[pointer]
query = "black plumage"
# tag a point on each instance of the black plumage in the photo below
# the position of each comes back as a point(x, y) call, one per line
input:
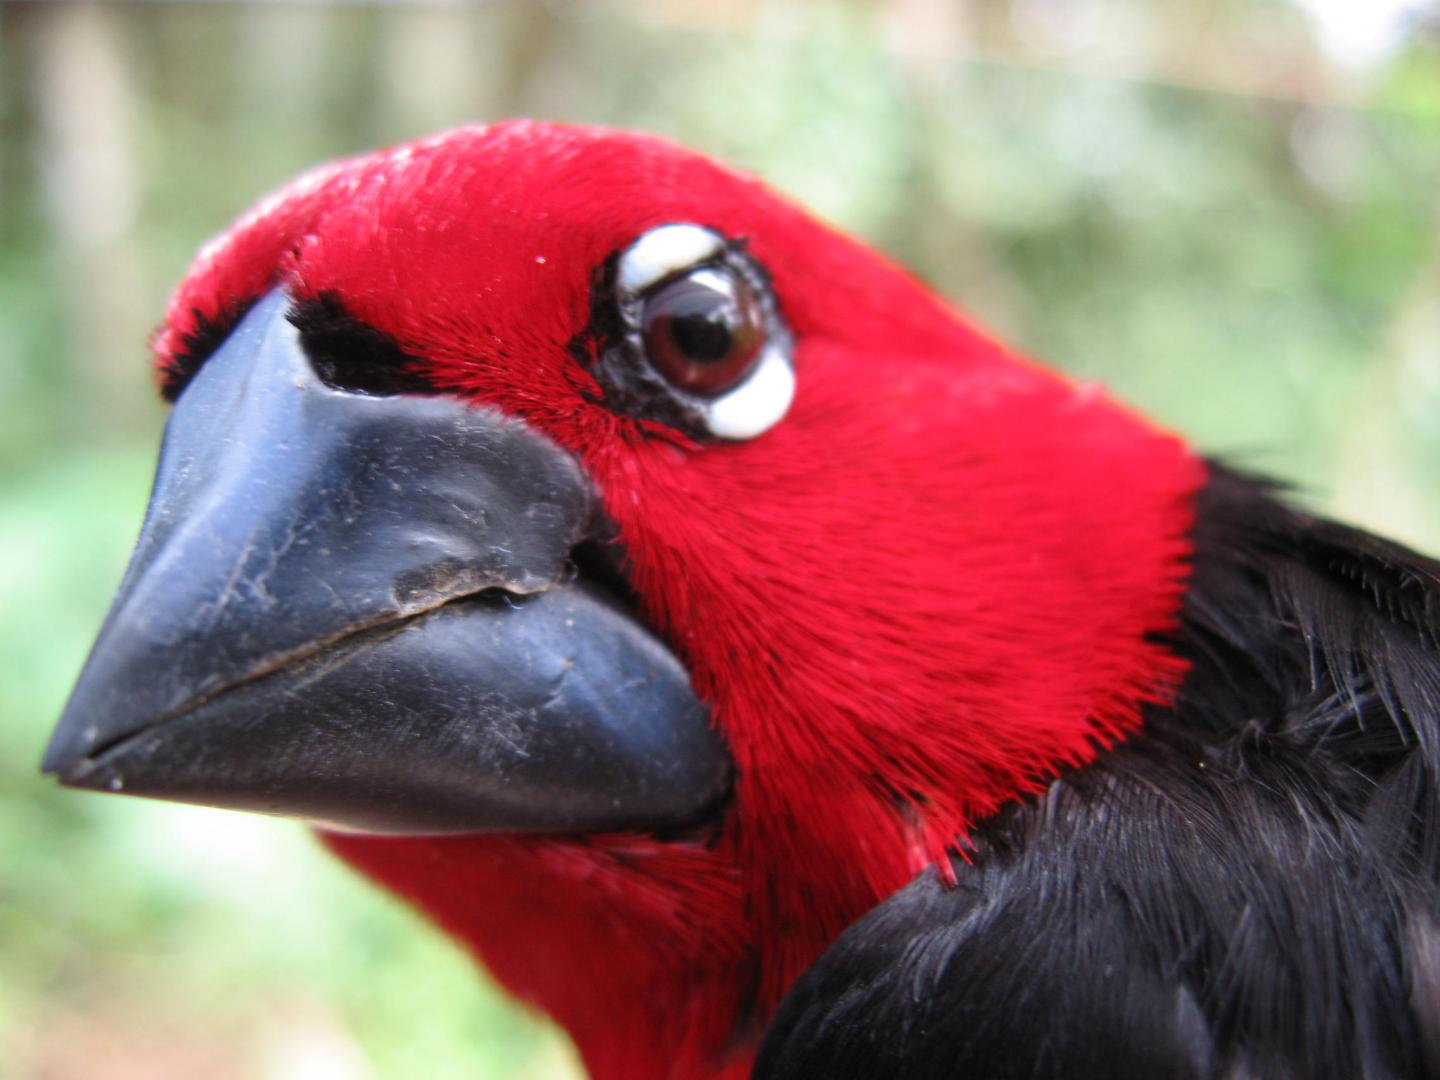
point(1249, 888)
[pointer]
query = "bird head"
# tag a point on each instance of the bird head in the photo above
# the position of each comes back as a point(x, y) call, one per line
point(640, 576)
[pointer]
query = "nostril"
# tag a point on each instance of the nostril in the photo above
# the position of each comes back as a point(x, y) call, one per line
point(349, 355)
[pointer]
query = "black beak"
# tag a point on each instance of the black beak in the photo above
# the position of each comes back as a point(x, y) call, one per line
point(363, 611)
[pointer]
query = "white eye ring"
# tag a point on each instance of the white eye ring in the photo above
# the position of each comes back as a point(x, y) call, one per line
point(758, 403)
point(764, 396)
point(666, 250)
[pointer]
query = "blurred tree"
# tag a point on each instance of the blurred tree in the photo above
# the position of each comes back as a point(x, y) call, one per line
point(88, 167)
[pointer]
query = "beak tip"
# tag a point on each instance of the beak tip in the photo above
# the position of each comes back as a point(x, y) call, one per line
point(60, 758)
point(67, 757)
point(82, 773)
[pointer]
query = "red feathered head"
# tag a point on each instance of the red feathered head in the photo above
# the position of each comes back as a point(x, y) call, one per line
point(908, 574)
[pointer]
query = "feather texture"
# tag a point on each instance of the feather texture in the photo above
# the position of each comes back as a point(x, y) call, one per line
point(1246, 888)
point(939, 581)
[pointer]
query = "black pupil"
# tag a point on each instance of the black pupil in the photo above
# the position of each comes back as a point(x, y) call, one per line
point(703, 331)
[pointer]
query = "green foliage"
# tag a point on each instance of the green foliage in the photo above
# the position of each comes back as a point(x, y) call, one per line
point(1257, 271)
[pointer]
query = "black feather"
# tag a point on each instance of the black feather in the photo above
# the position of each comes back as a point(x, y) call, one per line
point(1248, 888)
point(348, 354)
point(197, 346)
point(345, 352)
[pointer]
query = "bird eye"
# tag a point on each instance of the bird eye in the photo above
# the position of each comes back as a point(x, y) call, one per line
point(703, 331)
point(691, 334)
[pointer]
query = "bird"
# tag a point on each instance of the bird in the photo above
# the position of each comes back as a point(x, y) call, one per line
point(761, 669)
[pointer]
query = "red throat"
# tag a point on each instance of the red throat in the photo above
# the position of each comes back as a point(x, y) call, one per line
point(943, 577)
point(979, 611)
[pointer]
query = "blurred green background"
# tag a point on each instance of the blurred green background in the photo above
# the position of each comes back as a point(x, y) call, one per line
point(1226, 211)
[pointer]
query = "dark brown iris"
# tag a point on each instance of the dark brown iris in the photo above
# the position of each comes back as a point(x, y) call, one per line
point(703, 331)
